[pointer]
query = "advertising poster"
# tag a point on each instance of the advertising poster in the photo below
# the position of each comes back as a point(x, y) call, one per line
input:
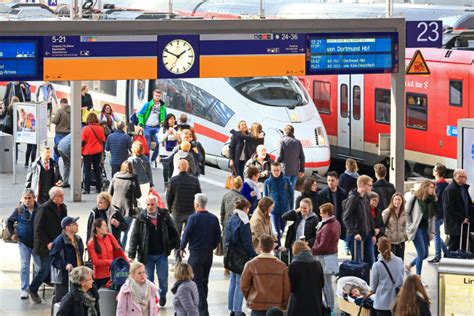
point(468, 157)
point(456, 294)
point(26, 123)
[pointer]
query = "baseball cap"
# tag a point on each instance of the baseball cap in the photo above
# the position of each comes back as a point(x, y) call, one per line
point(68, 220)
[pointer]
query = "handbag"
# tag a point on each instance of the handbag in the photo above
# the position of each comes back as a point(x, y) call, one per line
point(397, 289)
point(235, 260)
point(142, 140)
point(219, 249)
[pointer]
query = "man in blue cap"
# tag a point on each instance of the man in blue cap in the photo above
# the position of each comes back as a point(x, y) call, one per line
point(65, 255)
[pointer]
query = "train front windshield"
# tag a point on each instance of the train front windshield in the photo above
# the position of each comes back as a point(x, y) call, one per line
point(271, 91)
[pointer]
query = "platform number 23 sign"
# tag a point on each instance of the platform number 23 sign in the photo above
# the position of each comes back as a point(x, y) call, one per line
point(424, 33)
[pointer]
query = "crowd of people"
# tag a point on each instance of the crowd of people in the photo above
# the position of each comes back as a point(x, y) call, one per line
point(272, 266)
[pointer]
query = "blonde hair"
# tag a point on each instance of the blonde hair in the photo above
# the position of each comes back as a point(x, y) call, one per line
point(363, 179)
point(185, 146)
point(105, 196)
point(237, 183)
point(256, 129)
point(422, 192)
point(299, 246)
point(183, 272)
point(137, 148)
point(308, 202)
point(240, 122)
point(134, 266)
point(351, 165)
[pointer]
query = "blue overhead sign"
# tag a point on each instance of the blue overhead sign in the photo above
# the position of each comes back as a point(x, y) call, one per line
point(424, 34)
point(52, 3)
point(351, 53)
point(20, 58)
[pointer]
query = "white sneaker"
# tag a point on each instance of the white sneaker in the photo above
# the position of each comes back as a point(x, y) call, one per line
point(24, 295)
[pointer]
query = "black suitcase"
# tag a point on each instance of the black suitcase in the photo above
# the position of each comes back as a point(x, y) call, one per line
point(463, 253)
point(355, 268)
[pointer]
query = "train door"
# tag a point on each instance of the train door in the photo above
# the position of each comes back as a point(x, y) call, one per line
point(350, 119)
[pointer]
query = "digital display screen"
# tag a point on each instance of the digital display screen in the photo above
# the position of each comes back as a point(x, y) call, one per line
point(20, 59)
point(351, 53)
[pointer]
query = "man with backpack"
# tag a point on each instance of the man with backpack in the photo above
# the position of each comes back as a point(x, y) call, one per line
point(154, 235)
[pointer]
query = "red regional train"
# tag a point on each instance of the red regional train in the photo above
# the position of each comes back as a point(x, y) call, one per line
point(355, 110)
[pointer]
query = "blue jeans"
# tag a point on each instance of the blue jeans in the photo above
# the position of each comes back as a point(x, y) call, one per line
point(438, 242)
point(57, 139)
point(368, 249)
point(161, 264)
point(293, 180)
point(151, 134)
point(25, 256)
point(124, 239)
point(235, 298)
point(278, 225)
point(42, 275)
point(421, 245)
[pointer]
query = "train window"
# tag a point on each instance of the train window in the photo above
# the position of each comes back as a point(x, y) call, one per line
point(417, 111)
point(382, 106)
point(455, 92)
point(344, 101)
point(322, 96)
point(356, 103)
point(183, 96)
point(272, 91)
point(103, 86)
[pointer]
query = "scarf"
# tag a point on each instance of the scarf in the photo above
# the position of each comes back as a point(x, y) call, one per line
point(140, 292)
point(322, 222)
point(175, 287)
point(153, 217)
point(254, 185)
point(242, 215)
point(305, 257)
point(89, 301)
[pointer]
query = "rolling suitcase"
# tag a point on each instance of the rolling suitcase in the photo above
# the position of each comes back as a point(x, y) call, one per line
point(108, 301)
point(355, 267)
point(284, 256)
point(463, 253)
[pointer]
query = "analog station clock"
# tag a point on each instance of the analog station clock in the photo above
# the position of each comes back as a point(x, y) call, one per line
point(178, 56)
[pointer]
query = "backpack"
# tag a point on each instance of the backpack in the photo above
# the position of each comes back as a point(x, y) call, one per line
point(119, 269)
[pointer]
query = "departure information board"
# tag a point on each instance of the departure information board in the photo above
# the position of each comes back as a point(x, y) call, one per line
point(20, 58)
point(351, 53)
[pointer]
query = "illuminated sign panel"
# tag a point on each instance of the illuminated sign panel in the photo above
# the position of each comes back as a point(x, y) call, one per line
point(351, 53)
point(20, 58)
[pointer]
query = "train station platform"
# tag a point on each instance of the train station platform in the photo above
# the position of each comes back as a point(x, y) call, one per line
point(212, 185)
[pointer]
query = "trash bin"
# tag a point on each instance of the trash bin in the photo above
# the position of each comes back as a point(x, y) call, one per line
point(6, 154)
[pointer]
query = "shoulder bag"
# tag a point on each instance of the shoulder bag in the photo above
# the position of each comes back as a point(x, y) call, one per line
point(397, 289)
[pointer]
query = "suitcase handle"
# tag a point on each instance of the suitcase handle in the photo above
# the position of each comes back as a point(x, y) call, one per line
point(361, 248)
point(468, 237)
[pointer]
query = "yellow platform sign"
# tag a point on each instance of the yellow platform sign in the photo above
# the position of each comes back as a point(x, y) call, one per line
point(417, 65)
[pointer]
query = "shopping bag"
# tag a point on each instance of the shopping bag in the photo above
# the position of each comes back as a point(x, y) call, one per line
point(142, 140)
point(161, 204)
point(229, 181)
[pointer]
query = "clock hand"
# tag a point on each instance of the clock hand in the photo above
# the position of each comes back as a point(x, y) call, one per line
point(181, 54)
point(177, 56)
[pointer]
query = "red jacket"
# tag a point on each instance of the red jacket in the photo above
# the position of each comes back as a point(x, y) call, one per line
point(110, 249)
point(92, 144)
point(327, 237)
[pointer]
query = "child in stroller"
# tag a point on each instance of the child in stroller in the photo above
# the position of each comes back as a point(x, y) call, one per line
point(353, 296)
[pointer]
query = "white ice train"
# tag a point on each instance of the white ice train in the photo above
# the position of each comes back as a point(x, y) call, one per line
point(215, 106)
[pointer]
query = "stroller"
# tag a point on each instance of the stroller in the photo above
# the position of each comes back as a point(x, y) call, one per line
point(103, 174)
point(346, 303)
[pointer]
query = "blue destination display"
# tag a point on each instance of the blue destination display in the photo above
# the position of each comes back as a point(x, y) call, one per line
point(252, 44)
point(99, 46)
point(20, 59)
point(351, 53)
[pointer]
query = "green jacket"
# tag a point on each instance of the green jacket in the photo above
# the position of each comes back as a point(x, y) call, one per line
point(145, 111)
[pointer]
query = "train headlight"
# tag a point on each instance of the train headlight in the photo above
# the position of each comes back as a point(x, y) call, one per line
point(320, 135)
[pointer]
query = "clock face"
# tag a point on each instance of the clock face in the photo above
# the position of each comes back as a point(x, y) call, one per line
point(178, 56)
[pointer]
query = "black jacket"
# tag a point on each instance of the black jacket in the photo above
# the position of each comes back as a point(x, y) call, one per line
point(325, 196)
point(385, 190)
point(455, 210)
point(307, 282)
point(47, 226)
point(309, 227)
point(180, 196)
point(95, 214)
point(125, 190)
point(139, 239)
point(71, 304)
point(356, 215)
point(347, 182)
